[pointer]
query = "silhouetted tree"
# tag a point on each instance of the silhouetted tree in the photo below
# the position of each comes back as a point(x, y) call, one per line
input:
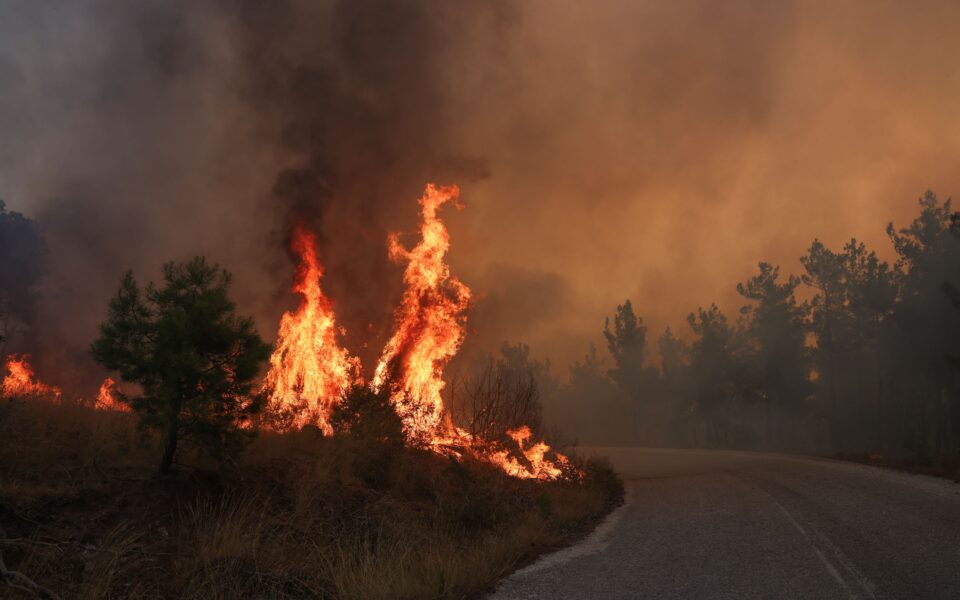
point(870, 290)
point(627, 344)
point(824, 273)
point(193, 357)
point(925, 330)
point(716, 370)
point(21, 267)
point(519, 361)
point(676, 384)
point(591, 404)
point(775, 323)
point(877, 347)
point(369, 416)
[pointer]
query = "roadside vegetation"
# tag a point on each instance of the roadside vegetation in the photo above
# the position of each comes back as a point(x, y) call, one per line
point(176, 491)
point(296, 515)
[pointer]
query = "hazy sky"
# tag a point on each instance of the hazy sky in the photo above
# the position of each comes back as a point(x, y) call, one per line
point(658, 150)
point(651, 150)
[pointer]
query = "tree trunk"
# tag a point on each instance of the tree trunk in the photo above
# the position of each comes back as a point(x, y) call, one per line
point(922, 453)
point(170, 438)
point(769, 423)
point(879, 437)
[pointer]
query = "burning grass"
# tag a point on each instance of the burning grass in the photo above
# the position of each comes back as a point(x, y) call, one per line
point(300, 515)
point(20, 380)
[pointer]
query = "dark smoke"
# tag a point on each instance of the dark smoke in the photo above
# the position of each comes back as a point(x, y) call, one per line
point(651, 150)
point(151, 131)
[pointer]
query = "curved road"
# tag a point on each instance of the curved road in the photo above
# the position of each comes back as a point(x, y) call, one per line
point(712, 524)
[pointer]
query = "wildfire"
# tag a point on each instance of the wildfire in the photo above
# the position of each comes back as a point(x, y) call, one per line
point(108, 398)
point(538, 466)
point(430, 326)
point(429, 323)
point(21, 381)
point(309, 370)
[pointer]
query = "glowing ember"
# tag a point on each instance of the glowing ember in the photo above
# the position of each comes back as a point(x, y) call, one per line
point(309, 371)
point(108, 398)
point(21, 381)
point(429, 324)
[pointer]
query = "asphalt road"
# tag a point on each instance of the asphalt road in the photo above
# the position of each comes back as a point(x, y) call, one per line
point(711, 524)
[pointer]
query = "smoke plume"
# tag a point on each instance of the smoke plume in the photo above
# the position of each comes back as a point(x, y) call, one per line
point(654, 150)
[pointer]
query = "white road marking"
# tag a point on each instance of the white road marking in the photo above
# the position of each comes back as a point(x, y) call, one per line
point(864, 583)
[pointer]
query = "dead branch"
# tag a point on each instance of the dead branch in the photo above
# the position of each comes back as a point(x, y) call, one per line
point(19, 581)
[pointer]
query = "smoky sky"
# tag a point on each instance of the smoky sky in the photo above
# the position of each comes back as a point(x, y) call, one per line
point(606, 150)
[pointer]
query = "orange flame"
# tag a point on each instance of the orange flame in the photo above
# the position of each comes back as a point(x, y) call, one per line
point(21, 381)
point(108, 398)
point(538, 466)
point(429, 323)
point(309, 371)
point(430, 326)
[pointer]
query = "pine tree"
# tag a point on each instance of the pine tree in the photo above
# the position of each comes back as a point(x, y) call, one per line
point(193, 357)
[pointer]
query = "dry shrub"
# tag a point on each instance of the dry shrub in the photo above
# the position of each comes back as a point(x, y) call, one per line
point(496, 398)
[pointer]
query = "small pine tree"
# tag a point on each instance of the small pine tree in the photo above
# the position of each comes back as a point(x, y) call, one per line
point(193, 357)
point(369, 416)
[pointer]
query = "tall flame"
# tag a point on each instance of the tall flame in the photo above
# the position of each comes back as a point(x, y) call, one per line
point(429, 330)
point(309, 370)
point(21, 381)
point(429, 323)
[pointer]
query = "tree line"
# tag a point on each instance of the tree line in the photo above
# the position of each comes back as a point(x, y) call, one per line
point(867, 361)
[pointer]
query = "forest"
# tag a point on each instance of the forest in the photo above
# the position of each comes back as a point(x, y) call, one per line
point(854, 354)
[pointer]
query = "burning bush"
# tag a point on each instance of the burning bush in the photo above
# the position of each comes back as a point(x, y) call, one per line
point(498, 398)
point(368, 415)
point(310, 372)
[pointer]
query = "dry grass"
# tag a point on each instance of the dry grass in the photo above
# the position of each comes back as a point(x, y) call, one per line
point(301, 516)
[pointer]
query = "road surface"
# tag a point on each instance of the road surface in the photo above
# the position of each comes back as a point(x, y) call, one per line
point(711, 524)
